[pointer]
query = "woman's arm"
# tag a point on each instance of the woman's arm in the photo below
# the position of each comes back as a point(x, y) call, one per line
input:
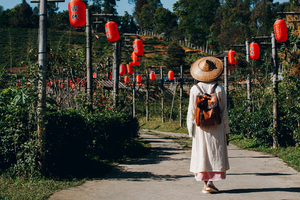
point(191, 113)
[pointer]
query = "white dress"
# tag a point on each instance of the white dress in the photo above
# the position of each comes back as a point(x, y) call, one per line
point(209, 148)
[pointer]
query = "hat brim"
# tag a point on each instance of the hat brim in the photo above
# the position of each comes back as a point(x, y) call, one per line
point(207, 76)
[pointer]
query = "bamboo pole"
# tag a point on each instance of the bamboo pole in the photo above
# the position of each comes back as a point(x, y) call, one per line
point(115, 73)
point(248, 76)
point(175, 86)
point(133, 95)
point(89, 75)
point(275, 91)
point(226, 75)
point(181, 89)
point(42, 60)
point(147, 96)
point(162, 95)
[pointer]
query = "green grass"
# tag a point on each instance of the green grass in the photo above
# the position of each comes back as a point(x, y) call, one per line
point(155, 123)
point(184, 142)
point(18, 188)
point(42, 188)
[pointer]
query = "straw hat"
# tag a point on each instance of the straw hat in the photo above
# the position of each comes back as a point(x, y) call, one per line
point(207, 69)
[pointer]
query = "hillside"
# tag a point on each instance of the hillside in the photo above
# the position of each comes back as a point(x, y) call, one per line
point(19, 46)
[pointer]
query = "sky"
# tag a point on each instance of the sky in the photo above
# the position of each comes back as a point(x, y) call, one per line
point(122, 5)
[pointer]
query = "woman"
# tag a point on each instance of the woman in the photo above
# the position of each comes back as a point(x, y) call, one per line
point(209, 159)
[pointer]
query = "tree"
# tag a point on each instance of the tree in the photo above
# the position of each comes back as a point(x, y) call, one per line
point(137, 11)
point(22, 17)
point(144, 13)
point(60, 21)
point(232, 23)
point(164, 21)
point(127, 24)
point(6, 18)
point(195, 18)
point(175, 56)
point(109, 6)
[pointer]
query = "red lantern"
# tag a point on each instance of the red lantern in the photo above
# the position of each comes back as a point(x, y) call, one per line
point(112, 31)
point(77, 80)
point(280, 30)
point(61, 85)
point(77, 13)
point(171, 75)
point(109, 75)
point(254, 51)
point(49, 84)
point(70, 82)
point(94, 75)
point(138, 79)
point(122, 70)
point(126, 79)
point(138, 47)
point(130, 69)
point(232, 57)
point(152, 76)
point(73, 85)
point(136, 60)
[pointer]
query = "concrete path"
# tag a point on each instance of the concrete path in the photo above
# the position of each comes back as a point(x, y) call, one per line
point(164, 174)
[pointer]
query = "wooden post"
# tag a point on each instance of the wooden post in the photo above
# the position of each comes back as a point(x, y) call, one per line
point(175, 86)
point(275, 91)
point(162, 95)
point(89, 76)
point(147, 95)
point(248, 75)
point(42, 60)
point(226, 75)
point(68, 92)
point(181, 89)
point(133, 95)
point(115, 73)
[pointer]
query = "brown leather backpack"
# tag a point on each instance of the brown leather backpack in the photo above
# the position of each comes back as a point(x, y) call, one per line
point(207, 108)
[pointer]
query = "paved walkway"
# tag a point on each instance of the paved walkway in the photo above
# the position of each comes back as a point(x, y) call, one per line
point(164, 174)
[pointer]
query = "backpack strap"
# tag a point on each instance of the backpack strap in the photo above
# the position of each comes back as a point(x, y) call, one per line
point(213, 88)
point(201, 92)
point(214, 113)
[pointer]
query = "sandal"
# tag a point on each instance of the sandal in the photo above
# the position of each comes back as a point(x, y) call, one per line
point(212, 188)
point(205, 191)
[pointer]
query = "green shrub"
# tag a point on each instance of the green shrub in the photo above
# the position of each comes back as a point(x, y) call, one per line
point(18, 144)
point(75, 138)
point(255, 125)
point(67, 139)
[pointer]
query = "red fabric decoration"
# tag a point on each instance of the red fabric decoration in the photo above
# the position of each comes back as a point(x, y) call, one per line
point(138, 47)
point(254, 51)
point(280, 30)
point(136, 60)
point(126, 79)
point(152, 76)
point(232, 57)
point(171, 75)
point(130, 69)
point(122, 70)
point(138, 79)
point(112, 31)
point(77, 13)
